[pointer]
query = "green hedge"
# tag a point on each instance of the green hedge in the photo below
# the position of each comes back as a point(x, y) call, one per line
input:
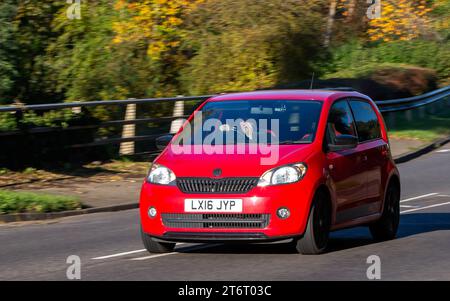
point(19, 202)
point(422, 53)
point(29, 119)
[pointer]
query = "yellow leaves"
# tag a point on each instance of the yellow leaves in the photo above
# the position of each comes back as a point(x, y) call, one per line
point(155, 49)
point(400, 20)
point(120, 4)
point(155, 22)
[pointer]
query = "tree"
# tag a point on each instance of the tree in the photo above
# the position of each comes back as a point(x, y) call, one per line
point(401, 20)
point(156, 25)
point(440, 19)
point(7, 50)
point(330, 22)
point(32, 35)
point(87, 65)
point(251, 44)
point(345, 21)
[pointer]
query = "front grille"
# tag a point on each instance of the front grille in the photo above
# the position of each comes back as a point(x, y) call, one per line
point(216, 220)
point(208, 185)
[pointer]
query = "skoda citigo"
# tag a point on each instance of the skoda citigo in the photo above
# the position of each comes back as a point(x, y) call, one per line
point(273, 165)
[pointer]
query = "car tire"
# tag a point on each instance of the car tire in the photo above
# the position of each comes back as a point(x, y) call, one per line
point(386, 227)
point(315, 238)
point(154, 246)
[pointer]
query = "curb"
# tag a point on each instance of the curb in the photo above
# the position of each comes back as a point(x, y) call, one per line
point(23, 217)
point(422, 151)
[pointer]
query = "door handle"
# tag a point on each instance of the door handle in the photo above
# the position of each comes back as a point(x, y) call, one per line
point(364, 158)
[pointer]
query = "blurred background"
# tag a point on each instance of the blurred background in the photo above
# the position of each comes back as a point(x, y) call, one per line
point(59, 52)
point(152, 48)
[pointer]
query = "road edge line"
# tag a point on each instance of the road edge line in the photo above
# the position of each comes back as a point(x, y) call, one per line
point(421, 151)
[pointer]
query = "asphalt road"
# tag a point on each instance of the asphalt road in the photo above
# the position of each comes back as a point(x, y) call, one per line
point(110, 247)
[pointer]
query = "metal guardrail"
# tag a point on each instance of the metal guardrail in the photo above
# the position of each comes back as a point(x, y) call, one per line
point(66, 105)
point(101, 141)
point(393, 105)
point(386, 106)
point(409, 103)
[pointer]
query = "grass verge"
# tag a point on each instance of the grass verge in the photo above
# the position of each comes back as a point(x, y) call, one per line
point(20, 202)
point(428, 128)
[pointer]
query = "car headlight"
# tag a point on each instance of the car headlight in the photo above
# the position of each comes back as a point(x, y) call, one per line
point(283, 175)
point(160, 174)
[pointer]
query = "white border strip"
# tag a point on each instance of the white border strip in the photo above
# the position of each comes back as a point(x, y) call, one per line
point(419, 197)
point(119, 254)
point(426, 207)
point(127, 253)
point(187, 249)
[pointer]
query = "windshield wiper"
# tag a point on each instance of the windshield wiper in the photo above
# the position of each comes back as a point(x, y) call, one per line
point(293, 142)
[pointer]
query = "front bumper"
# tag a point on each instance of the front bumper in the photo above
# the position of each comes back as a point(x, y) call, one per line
point(259, 202)
point(219, 237)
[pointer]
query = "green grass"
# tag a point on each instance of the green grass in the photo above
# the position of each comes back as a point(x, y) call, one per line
point(19, 202)
point(429, 128)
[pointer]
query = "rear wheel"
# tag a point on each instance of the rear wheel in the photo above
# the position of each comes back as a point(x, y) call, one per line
point(315, 239)
point(154, 246)
point(386, 227)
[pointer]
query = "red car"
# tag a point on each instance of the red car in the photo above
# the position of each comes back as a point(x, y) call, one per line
point(273, 165)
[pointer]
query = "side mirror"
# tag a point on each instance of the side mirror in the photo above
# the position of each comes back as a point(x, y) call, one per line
point(162, 141)
point(343, 142)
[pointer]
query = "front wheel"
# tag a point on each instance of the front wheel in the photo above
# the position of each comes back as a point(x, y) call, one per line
point(154, 246)
point(315, 239)
point(386, 227)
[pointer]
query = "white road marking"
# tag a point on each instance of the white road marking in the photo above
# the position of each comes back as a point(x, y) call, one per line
point(426, 207)
point(443, 151)
point(124, 253)
point(419, 197)
point(154, 256)
point(408, 206)
point(119, 254)
point(199, 247)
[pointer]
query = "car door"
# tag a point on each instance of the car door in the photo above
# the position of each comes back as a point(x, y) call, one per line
point(347, 168)
point(376, 149)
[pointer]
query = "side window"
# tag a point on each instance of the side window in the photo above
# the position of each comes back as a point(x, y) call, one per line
point(340, 121)
point(366, 120)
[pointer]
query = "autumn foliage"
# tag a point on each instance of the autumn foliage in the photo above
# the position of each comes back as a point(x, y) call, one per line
point(401, 20)
point(125, 48)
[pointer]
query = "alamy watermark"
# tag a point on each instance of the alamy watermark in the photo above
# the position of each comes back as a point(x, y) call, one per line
point(374, 10)
point(235, 136)
point(73, 271)
point(374, 270)
point(74, 10)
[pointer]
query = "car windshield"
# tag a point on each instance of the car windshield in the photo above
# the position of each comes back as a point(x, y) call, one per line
point(252, 121)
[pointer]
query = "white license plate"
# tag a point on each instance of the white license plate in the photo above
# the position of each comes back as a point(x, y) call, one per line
point(213, 205)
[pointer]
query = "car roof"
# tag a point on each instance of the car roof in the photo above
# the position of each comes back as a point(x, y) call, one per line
point(313, 94)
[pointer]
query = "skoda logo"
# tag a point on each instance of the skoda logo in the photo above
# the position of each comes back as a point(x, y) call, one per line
point(217, 172)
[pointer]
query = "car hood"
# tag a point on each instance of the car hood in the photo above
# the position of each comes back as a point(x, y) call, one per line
point(232, 163)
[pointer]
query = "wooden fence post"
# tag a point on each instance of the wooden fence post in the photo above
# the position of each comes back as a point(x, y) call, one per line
point(129, 130)
point(178, 111)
